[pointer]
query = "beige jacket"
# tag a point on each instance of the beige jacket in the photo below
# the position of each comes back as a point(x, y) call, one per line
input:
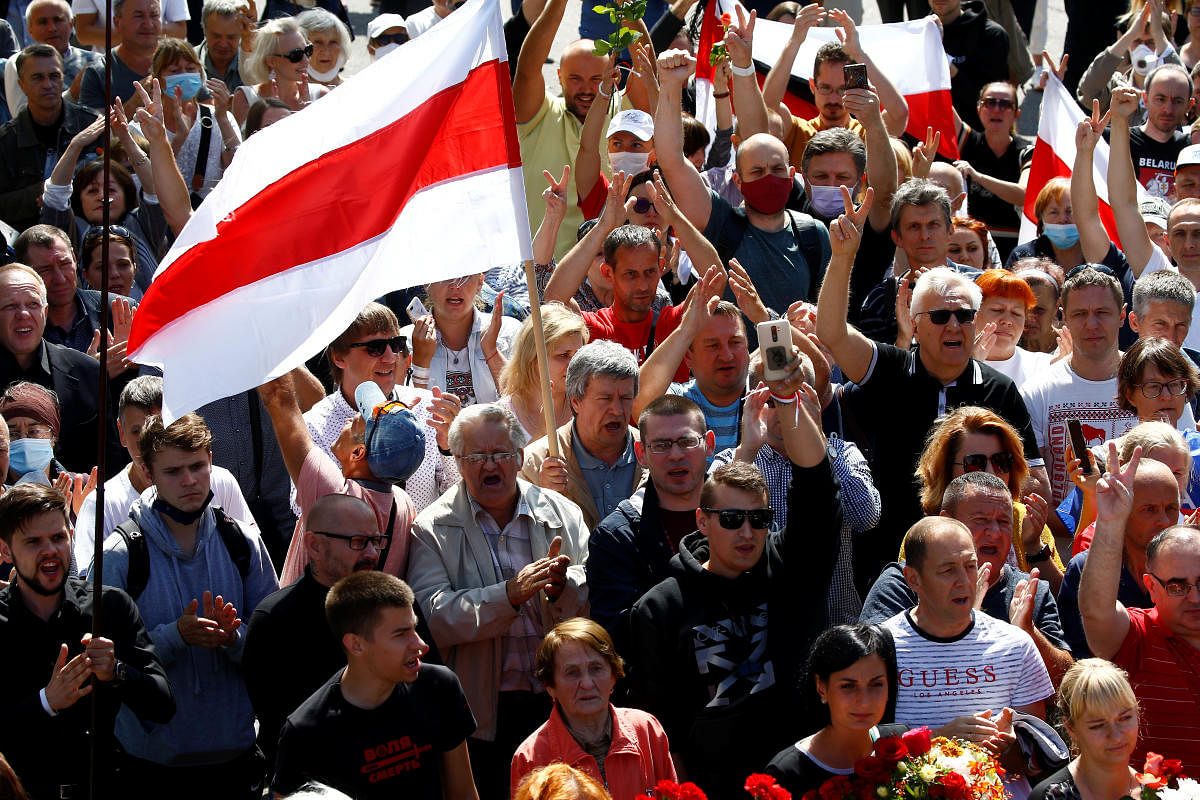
point(577, 488)
point(464, 599)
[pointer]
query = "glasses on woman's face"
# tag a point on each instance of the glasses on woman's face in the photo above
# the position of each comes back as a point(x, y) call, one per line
point(642, 205)
point(997, 103)
point(977, 462)
point(35, 431)
point(96, 231)
point(297, 54)
point(1153, 389)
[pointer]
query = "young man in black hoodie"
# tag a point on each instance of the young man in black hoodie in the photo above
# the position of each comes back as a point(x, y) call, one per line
point(716, 648)
point(977, 49)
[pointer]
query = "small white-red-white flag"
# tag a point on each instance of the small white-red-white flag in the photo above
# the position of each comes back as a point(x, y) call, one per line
point(408, 173)
point(1054, 157)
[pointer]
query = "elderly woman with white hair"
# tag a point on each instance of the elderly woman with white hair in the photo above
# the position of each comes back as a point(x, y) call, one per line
point(331, 45)
point(277, 67)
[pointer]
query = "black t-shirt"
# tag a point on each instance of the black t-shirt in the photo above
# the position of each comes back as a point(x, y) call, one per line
point(798, 773)
point(1154, 161)
point(676, 525)
point(1000, 216)
point(385, 752)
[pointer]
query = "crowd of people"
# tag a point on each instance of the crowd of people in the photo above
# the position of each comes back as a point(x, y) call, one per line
point(829, 450)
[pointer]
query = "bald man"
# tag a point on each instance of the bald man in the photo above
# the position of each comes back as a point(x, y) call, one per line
point(1155, 508)
point(548, 126)
point(342, 537)
point(1158, 646)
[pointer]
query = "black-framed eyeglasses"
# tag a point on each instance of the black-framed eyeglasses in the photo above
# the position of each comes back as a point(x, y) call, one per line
point(96, 231)
point(1098, 267)
point(357, 542)
point(642, 205)
point(1175, 587)
point(384, 39)
point(1173, 388)
point(940, 316)
point(479, 459)
point(375, 347)
point(660, 446)
point(977, 462)
point(732, 518)
point(297, 54)
point(1001, 103)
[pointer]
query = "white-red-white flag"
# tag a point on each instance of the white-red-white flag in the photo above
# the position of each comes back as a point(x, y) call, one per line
point(408, 173)
point(909, 53)
point(1054, 157)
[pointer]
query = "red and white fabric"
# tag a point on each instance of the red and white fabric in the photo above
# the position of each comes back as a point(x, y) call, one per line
point(409, 173)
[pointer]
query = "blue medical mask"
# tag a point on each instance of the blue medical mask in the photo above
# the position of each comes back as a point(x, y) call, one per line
point(30, 455)
point(827, 201)
point(189, 82)
point(1063, 235)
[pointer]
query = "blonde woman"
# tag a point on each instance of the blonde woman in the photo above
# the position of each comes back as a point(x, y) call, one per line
point(520, 382)
point(277, 67)
point(1101, 716)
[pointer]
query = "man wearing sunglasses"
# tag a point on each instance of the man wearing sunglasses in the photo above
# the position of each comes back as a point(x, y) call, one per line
point(342, 537)
point(1159, 647)
point(909, 388)
point(982, 502)
point(715, 647)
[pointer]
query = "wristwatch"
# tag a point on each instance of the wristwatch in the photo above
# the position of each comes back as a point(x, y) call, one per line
point(1039, 556)
point(120, 673)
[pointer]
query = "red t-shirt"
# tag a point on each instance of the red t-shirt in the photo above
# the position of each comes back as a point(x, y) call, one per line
point(634, 336)
point(1083, 540)
point(1165, 673)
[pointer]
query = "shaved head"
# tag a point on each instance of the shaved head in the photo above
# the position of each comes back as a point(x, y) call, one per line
point(333, 511)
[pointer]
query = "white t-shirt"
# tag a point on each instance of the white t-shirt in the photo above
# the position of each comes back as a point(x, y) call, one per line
point(172, 10)
point(119, 496)
point(1022, 366)
point(1059, 395)
point(992, 665)
point(1158, 262)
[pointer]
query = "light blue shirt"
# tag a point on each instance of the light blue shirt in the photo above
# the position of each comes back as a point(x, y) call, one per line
point(609, 485)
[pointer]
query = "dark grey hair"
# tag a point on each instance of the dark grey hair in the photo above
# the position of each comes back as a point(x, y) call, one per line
point(222, 8)
point(918, 192)
point(603, 358)
point(144, 392)
point(1165, 286)
point(485, 412)
point(960, 487)
point(836, 140)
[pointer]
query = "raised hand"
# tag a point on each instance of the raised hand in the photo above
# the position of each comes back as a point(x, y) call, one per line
point(1020, 608)
point(424, 342)
point(1114, 491)
point(809, 17)
point(985, 340)
point(442, 411)
point(555, 194)
point(491, 334)
point(1090, 130)
point(983, 582)
point(661, 197)
point(1059, 69)
point(1036, 512)
point(745, 294)
point(1124, 101)
point(67, 679)
point(675, 67)
point(616, 209)
point(122, 318)
point(222, 99)
point(754, 429)
point(925, 153)
point(739, 39)
point(847, 33)
point(845, 232)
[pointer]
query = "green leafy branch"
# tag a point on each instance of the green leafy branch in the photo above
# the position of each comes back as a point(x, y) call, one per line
point(618, 13)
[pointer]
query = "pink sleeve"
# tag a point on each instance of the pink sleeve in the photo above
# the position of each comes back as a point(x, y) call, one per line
point(319, 476)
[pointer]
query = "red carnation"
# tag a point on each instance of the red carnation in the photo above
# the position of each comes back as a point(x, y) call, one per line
point(726, 19)
point(777, 792)
point(1172, 768)
point(873, 769)
point(690, 791)
point(836, 788)
point(917, 741)
point(811, 794)
point(891, 749)
point(1153, 763)
point(759, 785)
point(669, 788)
point(955, 786)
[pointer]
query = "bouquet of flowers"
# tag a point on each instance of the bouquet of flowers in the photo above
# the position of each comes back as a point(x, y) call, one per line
point(915, 767)
point(1163, 779)
point(670, 790)
point(619, 12)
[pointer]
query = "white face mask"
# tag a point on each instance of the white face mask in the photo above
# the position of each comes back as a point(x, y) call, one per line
point(383, 51)
point(1144, 60)
point(328, 75)
point(629, 163)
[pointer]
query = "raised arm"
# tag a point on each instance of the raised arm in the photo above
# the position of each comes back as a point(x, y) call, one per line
point(529, 85)
point(1121, 181)
point(1085, 203)
point(748, 103)
point(1105, 620)
point(279, 399)
point(699, 249)
point(674, 68)
point(851, 350)
point(570, 273)
point(864, 104)
point(555, 198)
point(893, 105)
point(776, 83)
point(591, 137)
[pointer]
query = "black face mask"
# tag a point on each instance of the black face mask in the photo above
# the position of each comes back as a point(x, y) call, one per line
point(182, 517)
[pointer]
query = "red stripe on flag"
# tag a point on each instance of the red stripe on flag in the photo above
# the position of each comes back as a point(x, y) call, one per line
point(344, 197)
point(1045, 167)
point(711, 32)
point(933, 110)
point(799, 106)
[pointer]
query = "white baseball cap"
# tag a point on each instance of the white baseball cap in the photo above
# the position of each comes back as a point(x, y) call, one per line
point(383, 22)
point(1188, 157)
point(639, 123)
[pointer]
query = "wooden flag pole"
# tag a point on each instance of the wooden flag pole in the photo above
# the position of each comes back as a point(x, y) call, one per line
point(535, 311)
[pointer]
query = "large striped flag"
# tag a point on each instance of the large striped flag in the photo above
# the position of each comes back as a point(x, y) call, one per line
point(1054, 157)
point(909, 53)
point(408, 173)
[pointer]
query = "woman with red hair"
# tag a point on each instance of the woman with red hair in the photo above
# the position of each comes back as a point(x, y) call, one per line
point(1001, 321)
point(968, 243)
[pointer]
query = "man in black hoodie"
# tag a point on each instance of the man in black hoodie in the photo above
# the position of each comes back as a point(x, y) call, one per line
point(977, 49)
point(716, 648)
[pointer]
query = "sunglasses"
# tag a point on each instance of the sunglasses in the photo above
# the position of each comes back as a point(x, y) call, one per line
point(297, 54)
point(357, 542)
point(732, 518)
point(96, 231)
point(1001, 103)
point(389, 38)
point(940, 316)
point(375, 347)
point(642, 205)
point(977, 462)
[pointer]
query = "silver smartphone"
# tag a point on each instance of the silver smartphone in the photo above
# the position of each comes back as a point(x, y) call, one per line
point(416, 309)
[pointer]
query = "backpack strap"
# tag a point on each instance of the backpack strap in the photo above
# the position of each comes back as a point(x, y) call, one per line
point(139, 558)
point(234, 540)
point(206, 126)
point(391, 525)
point(650, 339)
point(729, 238)
point(804, 228)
